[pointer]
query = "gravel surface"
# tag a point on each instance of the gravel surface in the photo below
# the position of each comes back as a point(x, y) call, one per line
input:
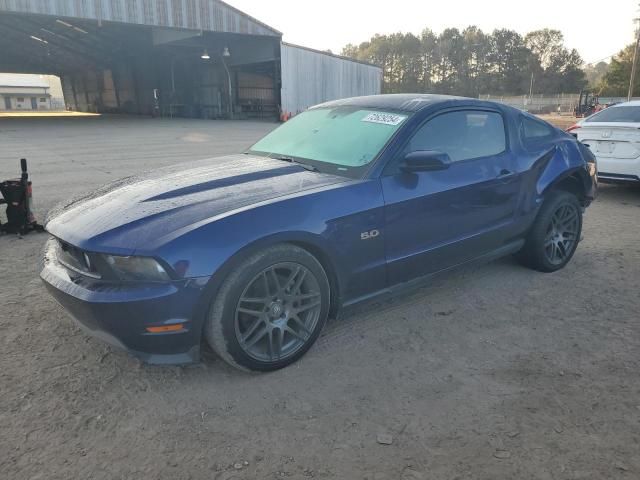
point(495, 372)
point(561, 121)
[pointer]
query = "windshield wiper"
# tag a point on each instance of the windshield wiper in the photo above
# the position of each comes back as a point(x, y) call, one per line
point(311, 168)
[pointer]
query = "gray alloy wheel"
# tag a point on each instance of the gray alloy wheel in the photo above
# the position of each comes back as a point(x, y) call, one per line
point(562, 233)
point(270, 309)
point(277, 312)
point(555, 233)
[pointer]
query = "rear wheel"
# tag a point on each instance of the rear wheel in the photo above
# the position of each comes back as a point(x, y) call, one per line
point(270, 310)
point(555, 234)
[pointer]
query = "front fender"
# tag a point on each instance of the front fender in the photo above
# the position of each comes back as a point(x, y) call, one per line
point(315, 243)
point(328, 222)
point(214, 283)
point(331, 220)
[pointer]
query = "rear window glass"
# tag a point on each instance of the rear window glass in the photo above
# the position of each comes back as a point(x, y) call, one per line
point(617, 114)
point(535, 133)
point(532, 129)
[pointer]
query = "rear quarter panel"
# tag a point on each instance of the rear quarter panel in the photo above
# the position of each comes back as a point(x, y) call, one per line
point(543, 167)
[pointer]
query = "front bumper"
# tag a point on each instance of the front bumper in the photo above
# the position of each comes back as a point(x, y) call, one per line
point(120, 314)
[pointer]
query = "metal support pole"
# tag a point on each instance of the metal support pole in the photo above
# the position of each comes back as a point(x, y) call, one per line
point(224, 63)
point(173, 76)
point(632, 80)
point(173, 87)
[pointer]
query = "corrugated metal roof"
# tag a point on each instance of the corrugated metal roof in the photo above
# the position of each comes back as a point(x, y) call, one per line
point(207, 15)
point(22, 80)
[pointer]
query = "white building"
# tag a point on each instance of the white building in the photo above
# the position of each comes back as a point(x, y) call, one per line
point(29, 92)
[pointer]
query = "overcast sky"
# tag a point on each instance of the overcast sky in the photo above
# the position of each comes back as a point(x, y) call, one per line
point(596, 29)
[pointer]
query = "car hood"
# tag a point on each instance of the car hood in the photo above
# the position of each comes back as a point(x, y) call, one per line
point(123, 216)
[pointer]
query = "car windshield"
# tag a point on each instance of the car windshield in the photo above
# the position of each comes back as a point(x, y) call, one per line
point(341, 140)
point(627, 114)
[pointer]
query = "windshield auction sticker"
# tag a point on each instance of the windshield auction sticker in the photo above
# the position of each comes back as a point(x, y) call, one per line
point(384, 118)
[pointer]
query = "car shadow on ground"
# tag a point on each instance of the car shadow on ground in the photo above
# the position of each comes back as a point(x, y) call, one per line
point(348, 328)
point(626, 194)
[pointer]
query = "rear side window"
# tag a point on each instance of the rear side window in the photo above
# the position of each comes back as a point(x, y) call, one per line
point(534, 132)
point(463, 135)
point(628, 114)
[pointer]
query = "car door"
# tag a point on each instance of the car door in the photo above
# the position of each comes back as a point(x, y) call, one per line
point(438, 219)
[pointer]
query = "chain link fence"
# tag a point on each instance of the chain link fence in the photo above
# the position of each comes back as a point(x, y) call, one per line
point(561, 103)
point(539, 104)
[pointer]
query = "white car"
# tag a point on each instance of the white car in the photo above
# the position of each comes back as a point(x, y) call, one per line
point(613, 135)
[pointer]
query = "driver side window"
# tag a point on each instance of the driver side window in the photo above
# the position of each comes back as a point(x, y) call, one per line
point(463, 135)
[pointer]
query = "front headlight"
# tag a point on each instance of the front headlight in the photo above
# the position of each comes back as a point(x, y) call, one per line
point(136, 269)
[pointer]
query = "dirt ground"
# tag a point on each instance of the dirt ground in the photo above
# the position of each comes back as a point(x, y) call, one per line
point(44, 114)
point(560, 121)
point(495, 372)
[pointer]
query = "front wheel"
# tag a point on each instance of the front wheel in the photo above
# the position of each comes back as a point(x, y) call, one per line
point(270, 310)
point(554, 236)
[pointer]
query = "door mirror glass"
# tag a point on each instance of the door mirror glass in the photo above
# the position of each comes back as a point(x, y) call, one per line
point(425, 161)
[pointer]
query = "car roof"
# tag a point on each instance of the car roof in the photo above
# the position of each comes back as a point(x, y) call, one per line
point(400, 101)
point(632, 103)
point(592, 119)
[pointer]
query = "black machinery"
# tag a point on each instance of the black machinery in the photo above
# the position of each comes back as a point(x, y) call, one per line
point(587, 105)
point(17, 195)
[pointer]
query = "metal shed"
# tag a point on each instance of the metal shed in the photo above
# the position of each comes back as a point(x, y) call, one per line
point(190, 58)
point(310, 77)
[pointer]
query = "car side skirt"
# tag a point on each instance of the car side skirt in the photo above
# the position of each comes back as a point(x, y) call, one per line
point(406, 287)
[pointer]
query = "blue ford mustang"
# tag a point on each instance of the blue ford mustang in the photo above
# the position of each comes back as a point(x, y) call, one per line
point(351, 199)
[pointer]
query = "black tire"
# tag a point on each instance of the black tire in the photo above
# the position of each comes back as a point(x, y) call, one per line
point(256, 293)
point(548, 247)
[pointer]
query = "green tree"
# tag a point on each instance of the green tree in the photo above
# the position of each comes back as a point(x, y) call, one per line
point(450, 51)
point(546, 44)
point(561, 69)
point(511, 63)
point(615, 82)
point(429, 59)
point(595, 74)
point(471, 62)
point(475, 66)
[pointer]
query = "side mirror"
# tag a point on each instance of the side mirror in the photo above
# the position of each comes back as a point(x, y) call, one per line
point(425, 161)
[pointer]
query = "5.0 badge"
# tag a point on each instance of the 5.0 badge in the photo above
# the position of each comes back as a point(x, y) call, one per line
point(369, 235)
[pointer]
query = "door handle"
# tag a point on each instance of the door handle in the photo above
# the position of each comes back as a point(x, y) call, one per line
point(504, 174)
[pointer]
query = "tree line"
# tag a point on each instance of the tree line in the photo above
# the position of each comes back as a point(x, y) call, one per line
point(612, 79)
point(471, 62)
